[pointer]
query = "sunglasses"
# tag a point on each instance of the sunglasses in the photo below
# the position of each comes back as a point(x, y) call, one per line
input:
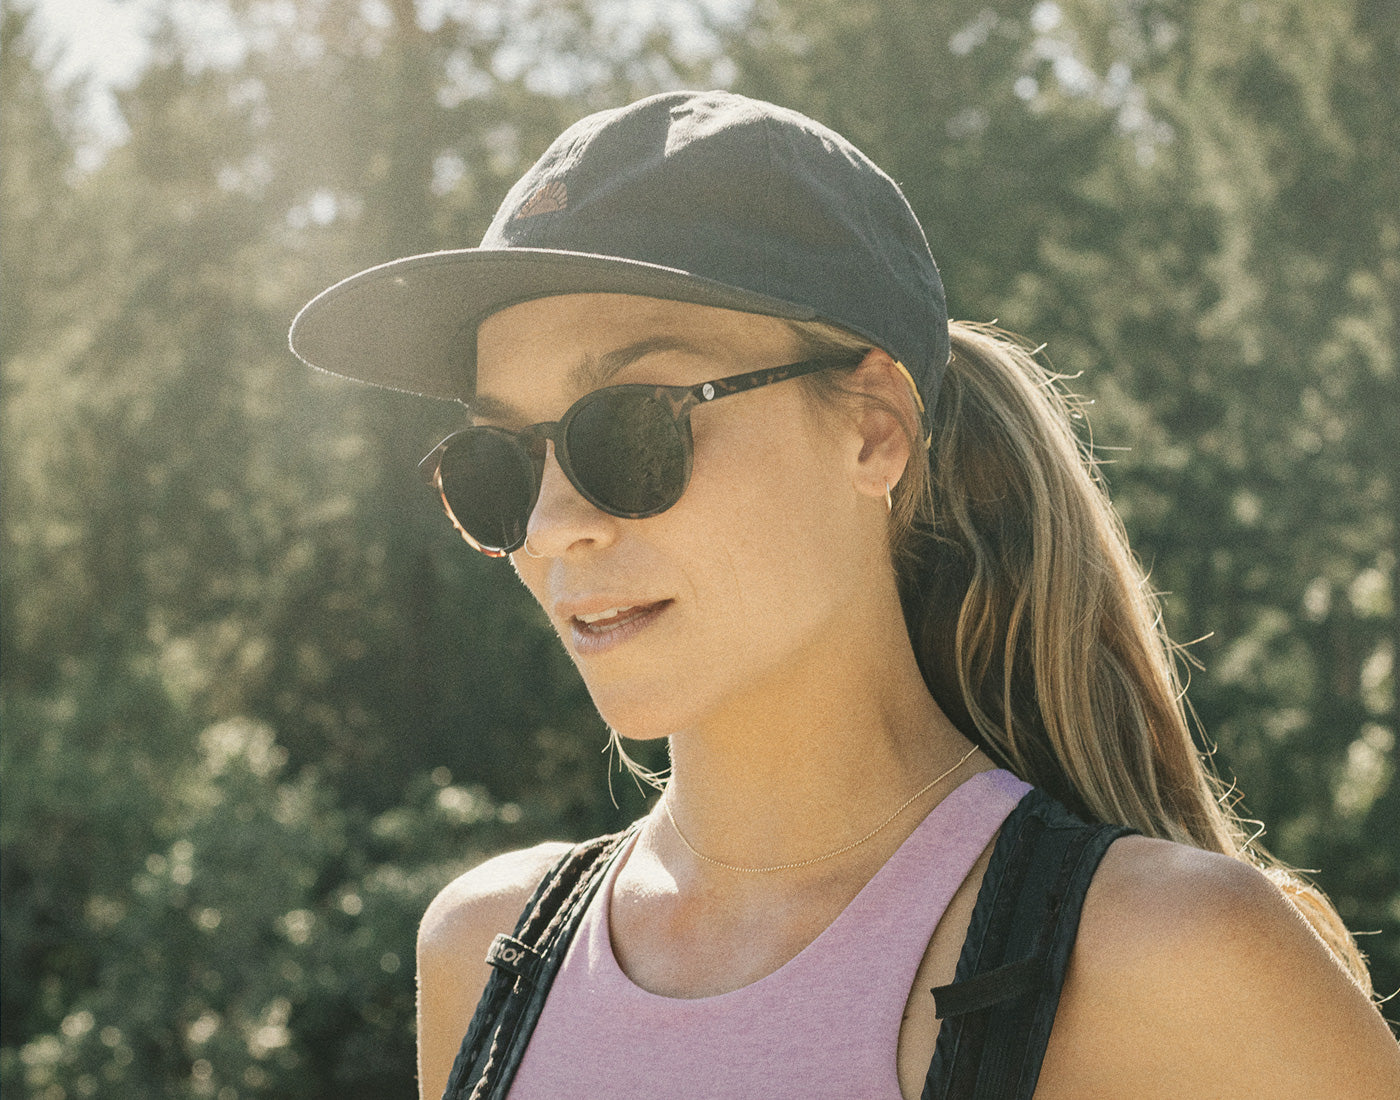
point(626, 449)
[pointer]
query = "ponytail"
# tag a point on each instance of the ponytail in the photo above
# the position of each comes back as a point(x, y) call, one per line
point(1034, 626)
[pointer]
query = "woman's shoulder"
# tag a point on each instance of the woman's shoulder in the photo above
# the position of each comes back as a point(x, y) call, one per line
point(490, 895)
point(453, 939)
point(1157, 895)
point(1161, 911)
point(1194, 975)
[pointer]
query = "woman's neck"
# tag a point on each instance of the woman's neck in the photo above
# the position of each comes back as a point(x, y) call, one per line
point(808, 764)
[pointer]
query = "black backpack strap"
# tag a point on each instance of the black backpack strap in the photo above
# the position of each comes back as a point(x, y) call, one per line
point(523, 968)
point(998, 1011)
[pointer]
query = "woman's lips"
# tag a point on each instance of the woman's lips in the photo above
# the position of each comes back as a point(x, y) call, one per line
point(596, 631)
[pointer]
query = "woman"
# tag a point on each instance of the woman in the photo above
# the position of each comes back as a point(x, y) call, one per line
point(870, 599)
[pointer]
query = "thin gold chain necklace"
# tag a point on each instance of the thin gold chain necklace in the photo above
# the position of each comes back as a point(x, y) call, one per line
point(666, 805)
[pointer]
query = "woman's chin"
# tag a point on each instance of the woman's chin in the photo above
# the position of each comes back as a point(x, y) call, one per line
point(639, 719)
point(631, 729)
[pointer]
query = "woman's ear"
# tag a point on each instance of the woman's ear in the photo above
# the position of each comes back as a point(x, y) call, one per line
point(886, 421)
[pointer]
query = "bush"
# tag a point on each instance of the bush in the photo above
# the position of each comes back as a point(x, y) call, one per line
point(260, 945)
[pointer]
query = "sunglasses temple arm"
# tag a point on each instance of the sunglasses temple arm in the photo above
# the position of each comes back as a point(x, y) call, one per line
point(428, 465)
point(752, 380)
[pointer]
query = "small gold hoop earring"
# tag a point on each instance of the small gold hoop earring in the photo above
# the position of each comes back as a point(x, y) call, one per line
point(528, 552)
point(889, 500)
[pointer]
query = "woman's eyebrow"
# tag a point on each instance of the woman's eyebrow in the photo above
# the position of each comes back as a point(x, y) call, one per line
point(597, 370)
point(592, 372)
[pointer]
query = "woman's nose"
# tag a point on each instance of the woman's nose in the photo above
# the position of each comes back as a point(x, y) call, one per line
point(562, 519)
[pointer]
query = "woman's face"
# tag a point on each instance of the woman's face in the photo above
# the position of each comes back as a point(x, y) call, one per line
point(739, 590)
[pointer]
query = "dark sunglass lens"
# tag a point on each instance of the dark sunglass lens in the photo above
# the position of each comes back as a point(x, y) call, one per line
point(489, 483)
point(628, 451)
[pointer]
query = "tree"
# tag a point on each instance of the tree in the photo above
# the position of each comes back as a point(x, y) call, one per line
point(199, 530)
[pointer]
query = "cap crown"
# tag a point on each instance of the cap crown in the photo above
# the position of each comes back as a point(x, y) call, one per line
point(746, 194)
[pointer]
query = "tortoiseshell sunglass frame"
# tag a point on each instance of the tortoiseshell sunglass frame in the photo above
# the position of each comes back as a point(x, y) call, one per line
point(679, 401)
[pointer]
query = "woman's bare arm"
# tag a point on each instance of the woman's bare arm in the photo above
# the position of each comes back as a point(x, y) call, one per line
point(1193, 976)
point(453, 939)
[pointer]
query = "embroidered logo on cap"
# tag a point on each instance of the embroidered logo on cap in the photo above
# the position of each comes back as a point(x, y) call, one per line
point(547, 199)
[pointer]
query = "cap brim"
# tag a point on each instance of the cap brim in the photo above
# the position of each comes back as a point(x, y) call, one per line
point(411, 324)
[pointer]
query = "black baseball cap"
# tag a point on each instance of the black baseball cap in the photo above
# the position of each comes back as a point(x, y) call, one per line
point(705, 197)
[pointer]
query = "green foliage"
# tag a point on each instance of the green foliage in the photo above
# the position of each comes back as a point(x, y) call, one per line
point(263, 944)
point(244, 658)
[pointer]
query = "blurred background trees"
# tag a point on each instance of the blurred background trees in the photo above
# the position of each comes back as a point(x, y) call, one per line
point(259, 702)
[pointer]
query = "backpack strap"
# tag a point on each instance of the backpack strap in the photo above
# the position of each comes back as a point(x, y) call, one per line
point(523, 968)
point(999, 1008)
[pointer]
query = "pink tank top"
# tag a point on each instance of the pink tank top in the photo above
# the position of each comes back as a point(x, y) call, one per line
point(825, 1024)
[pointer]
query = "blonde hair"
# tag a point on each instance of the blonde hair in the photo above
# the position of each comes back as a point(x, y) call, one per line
point(1034, 626)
